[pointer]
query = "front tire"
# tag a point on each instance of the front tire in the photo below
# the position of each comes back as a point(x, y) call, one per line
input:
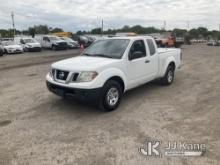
point(54, 47)
point(111, 96)
point(168, 78)
point(5, 51)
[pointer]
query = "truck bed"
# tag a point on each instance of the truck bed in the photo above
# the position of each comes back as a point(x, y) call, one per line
point(164, 54)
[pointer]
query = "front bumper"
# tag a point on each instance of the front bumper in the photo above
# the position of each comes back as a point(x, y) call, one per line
point(11, 51)
point(34, 49)
point(61, 47)
point(87, 95)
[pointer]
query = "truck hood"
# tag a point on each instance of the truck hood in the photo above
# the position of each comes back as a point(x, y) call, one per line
point(13, 47)
point(34, 44)
point(83, 63)
point(58, 41)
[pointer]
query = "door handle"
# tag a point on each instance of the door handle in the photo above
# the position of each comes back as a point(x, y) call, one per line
point(147, 61)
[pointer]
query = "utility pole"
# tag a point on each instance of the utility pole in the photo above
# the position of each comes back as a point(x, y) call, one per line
point(164, 25)
point(102, 27)
point(188, 25)
point(13, 22)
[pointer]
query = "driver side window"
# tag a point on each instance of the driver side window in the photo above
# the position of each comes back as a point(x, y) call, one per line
point(22, 41)
point(46, 39)
point(137, 50)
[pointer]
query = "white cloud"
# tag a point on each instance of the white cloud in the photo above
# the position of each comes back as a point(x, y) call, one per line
point(83, 14)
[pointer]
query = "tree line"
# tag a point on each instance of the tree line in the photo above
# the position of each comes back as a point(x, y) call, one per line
point(195, 33)
point(37, 29)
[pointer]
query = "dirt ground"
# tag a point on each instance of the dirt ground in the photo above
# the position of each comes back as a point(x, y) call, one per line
point(37, 127)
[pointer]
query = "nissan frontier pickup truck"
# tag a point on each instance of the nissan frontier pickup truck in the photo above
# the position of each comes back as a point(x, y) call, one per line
point(110, 67)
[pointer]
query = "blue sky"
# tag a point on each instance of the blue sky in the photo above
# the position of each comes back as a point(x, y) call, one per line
point(74, 15)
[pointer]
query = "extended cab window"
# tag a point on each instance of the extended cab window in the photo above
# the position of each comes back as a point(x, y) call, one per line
point(151, 46)
point(22, 41)
point(46, 39)
point(137, 50)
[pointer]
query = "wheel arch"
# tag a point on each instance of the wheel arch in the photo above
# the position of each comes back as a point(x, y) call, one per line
point(172, 64)
point(169, 61)
point(119, 80)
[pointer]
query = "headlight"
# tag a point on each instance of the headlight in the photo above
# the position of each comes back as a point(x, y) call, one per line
point(51, 72)
point(87, 76)
point(29, 46)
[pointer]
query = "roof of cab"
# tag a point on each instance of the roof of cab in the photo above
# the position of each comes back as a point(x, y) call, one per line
point(132, 37)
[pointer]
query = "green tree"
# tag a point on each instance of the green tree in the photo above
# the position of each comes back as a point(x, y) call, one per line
point(96, 31)
point(31, 31)
point(55, 30)
point(41, 29)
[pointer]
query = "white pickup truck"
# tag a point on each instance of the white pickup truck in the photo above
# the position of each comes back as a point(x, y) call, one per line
point(110, 67)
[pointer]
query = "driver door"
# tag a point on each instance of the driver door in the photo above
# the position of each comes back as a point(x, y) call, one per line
point(136, 66)
point(22, 43)
point(46, 42)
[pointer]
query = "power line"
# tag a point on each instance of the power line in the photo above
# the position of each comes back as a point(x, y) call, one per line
point(102, 27)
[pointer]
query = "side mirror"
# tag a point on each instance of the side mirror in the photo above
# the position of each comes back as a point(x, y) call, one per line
point(22, 42)
point(134, 55)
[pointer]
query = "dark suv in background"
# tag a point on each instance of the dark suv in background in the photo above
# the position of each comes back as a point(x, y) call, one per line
point(1, 50)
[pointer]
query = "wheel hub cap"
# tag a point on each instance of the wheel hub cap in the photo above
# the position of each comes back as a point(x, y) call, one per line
point(170, 76)
point(112, 96)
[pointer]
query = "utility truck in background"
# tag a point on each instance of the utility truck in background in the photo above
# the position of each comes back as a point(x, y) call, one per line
point(110, 67)
point(51, 42)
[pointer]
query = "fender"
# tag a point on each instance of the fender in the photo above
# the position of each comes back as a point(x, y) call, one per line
point(111, 72)
point(166, 63)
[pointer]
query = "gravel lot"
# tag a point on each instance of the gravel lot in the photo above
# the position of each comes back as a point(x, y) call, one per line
point(37, 127)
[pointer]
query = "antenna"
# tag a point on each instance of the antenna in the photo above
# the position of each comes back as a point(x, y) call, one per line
point(164, 25)
point(102, 27)
point(13, 22)
point(188, 25)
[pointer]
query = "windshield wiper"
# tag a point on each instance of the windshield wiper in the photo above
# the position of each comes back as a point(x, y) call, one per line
point(97, 55)
point(102, 55)
point(87, 54)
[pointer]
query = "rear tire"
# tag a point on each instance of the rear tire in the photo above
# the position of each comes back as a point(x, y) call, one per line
point(54, 47)
point(111, 96)
point(168, 78)
point(5, 51)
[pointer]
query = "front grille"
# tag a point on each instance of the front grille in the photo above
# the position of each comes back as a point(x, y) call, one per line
point(62, 43)
point(75, 76)
point(61, 75)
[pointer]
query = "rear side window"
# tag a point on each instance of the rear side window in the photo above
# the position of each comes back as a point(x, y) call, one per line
point(151, 46)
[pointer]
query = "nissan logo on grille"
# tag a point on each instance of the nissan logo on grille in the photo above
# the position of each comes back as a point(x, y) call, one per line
point(62, 75)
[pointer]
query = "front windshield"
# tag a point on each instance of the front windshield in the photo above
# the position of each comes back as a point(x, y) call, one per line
point(110, 48)
point(68, 39)
point(29, 40)
point(54, 38)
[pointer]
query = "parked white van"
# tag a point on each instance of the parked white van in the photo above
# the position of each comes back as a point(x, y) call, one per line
point(28, 43)
point(51, 42)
